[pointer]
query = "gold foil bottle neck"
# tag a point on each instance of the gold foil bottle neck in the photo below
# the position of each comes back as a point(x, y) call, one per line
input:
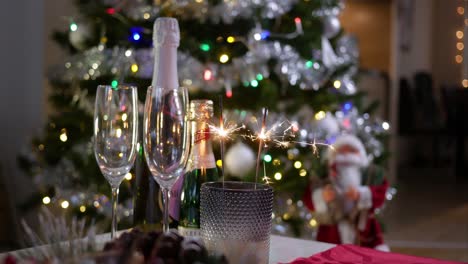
point(201, 110)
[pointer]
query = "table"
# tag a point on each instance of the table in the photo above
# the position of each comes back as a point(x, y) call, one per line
point(286, 249)
point(282, 249)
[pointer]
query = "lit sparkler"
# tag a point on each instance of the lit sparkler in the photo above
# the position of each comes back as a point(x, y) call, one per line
point(226, 129)
point(223, 135)
point(224, 132)
point(265, 178)
point(262, 136)
point(276, 134)
point(281, 134)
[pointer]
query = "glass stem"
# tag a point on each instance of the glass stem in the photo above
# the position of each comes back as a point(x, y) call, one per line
point(115, 196)
point(165, 193)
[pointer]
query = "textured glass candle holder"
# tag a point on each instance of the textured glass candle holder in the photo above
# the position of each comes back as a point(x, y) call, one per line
point(236, 220)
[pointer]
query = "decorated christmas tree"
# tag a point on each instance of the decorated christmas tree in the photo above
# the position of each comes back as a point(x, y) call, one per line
point(290, 56)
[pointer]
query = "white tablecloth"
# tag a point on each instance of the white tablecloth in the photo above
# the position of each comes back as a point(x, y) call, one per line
point(286, 249)
point(282, 249)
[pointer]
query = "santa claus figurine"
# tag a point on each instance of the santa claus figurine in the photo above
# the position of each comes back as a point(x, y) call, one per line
point(344, 206)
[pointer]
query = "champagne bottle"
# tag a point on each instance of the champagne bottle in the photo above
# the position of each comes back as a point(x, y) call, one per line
point(201, 167)
point(147, 211)
point(148, 198)
point(166, 38)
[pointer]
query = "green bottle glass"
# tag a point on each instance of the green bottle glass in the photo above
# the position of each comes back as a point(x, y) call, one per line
point(201, 167)
point(147, 201)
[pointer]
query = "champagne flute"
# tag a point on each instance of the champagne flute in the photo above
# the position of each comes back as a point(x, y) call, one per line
point(165, 138)
point(115, 136)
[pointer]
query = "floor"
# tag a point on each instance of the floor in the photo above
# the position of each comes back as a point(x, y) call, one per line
point(429, 215)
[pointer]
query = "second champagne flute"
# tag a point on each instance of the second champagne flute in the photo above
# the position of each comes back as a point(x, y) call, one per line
point(165, 138)
point(115, 136)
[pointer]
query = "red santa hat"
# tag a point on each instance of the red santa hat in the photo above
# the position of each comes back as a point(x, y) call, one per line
point(347, 140)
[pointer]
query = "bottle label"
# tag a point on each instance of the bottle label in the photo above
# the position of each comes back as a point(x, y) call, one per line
point(202, 153)
point(189, 232)
point(203, 162)
point(202, 135)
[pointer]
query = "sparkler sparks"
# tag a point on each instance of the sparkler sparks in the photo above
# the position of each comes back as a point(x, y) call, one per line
point(282, 133)
point(265, 178)
point(223, 132)
point(226, 129)
point(278, 134)
point(314, 145)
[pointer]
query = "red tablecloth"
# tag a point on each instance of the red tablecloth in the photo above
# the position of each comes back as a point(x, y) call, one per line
point(350, 254)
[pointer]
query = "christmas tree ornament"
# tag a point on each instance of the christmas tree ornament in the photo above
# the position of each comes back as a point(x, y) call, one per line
point(327, 125)
point(329, 58)
point(240, 160)
point(331, 26)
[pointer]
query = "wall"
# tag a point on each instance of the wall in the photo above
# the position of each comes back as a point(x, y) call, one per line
point(432, 49)
point(370, 21)
point(430, 33)
point(373, 24)
point(21, 98)
point(432, 41)
point(412, 51)
point(418, 31)
point(446, 22)
point(27, 27)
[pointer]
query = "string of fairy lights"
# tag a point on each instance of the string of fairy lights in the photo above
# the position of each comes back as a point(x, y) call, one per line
point(208, 74)
point(462, 52)
point(226, 71)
